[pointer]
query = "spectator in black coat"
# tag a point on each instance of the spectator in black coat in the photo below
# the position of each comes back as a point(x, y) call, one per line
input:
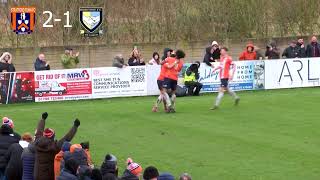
point(135, 59)
point(70, 170)
point(7, 138)
point(41, 64)
point(273, 52)
point(6, 63)
point(292, 51)
point(28, 160)
point(313, 49)
point(301, 48)
point(208, 57)
point(216, 51)
point(13, 156)
point(109, 165)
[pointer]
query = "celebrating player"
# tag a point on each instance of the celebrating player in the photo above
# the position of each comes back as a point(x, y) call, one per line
point(160, 80)
point(173, 66)
point(225, 67)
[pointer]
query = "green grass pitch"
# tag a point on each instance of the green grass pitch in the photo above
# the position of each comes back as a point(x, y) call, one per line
point(271, 135)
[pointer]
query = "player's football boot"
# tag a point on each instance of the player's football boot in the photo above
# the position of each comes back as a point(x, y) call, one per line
point(214, 108)
point(236, 102)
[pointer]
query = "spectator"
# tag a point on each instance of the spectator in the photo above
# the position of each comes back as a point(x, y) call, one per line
point(59, 157)
point(249, 53)
point(96, 174)
point(28, 160)
point(7, 138)
point(216, 51)
point(166, 53)
point(6, 63)
point(155, 59)
point(150, 173)
point(109, 176)
point(313, 49)
point(185, 176)
point(118, 61)
point(46, 148)
point(69, 60)
point(259, 53)
point(165, 176)
point(301, 48)
point(13, 156)
point(208, 57)
point(272, 51)
point(70, 170)
point(133, 171)
point(191, 78)
point(86, 147)
point(41, 64)
point(292, 51)
point(135, 59)
point(109, 165)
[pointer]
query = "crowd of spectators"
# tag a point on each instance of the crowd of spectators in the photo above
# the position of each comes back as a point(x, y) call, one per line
point(43, 157)
point(70, 59)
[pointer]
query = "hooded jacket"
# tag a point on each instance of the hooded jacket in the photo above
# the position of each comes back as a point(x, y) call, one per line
point(14, 166)
point(46, 149)
point(28, 159)
point(7, 138)
point(127, 175)
point(208, 57)
point(40, 65)
point(5, 65)
point(246, 55)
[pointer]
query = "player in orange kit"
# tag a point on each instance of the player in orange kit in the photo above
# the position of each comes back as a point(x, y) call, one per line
point(160, 83)
point(173, 67)
point(225, 67)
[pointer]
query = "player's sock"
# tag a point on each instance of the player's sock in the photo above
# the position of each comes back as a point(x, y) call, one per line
point(167, 99)
point(159, 100)
point(219, 98)
point(233, 94)
point(173, 99)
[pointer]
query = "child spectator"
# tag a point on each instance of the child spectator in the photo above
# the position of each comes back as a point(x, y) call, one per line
point(133, 171)
point(150, 173)
point(155, 59)
point(249, 53)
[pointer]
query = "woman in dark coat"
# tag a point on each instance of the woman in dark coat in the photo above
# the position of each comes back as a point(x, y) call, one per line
point(135, 59)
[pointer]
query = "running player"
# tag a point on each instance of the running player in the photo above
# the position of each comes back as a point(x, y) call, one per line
point(225, 67)
point(160, 82)
point(173, 66)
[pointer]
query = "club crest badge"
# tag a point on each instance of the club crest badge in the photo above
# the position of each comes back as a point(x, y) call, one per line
point(91, 20)
point(23, 19)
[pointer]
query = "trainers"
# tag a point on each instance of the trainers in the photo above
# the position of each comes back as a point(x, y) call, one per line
point(155, 109)
point(236, 102)
point(214, 108)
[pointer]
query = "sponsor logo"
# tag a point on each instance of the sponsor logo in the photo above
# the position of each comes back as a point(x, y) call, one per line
point(84, 75)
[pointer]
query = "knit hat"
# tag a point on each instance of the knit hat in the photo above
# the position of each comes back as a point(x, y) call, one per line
point(74, 147)
point(49, 133)
point(6, 120)
point(66, 146)
point(133, 167)
point(166, 176)
point(150, 173)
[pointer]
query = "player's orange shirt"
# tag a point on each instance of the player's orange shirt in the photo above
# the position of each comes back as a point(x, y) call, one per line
point(172, 73)
point(225, 66)
point(162, 73)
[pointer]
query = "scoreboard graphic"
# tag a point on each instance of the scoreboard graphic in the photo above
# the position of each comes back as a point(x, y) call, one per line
point(23, 19)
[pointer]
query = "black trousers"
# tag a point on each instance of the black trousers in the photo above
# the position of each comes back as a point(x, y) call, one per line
point(193, 88)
